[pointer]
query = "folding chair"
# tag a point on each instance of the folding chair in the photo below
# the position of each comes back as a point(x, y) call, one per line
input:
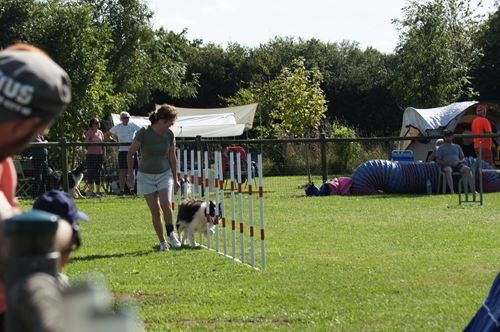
point(24, 183)
point(442, 183)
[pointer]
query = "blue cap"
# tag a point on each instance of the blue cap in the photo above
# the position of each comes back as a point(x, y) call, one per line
point(61, 203)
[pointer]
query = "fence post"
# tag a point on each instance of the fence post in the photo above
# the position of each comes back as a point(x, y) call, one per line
point(64, 164)
point(324, 171)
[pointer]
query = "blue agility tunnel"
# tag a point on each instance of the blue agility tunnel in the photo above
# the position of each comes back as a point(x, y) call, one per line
point(376, 176)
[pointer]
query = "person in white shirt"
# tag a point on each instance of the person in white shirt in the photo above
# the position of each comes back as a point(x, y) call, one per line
point(124, 133)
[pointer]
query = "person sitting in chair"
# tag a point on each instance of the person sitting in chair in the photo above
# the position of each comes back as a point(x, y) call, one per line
point(450, 157)
point(431, 156)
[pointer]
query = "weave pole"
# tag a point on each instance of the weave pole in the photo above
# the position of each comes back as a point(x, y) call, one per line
point(233, 220)
point(193, 183)
point(185, 173)
point(207, 198)
point(212, 184)
point(200, 180)
point(261, 210)
point(250, 209)
point(240, 203)
point(179, 176)
point(216, 187)
point(222, 205)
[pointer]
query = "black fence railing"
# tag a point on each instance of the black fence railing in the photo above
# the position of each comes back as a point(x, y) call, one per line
point(311, 159)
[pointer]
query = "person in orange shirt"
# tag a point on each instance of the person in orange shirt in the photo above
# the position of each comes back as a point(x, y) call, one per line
point(481, 125)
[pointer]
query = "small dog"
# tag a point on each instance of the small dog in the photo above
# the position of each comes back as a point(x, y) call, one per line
point(185, 188)
point(74, 179)
point(191, 218)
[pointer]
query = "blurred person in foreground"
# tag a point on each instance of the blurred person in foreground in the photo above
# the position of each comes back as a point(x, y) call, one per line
point(68, 236)
point(34, 91)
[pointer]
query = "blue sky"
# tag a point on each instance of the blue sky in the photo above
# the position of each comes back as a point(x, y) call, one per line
point(254, 22)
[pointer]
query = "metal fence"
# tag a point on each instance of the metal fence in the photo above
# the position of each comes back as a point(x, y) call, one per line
point(304, 160)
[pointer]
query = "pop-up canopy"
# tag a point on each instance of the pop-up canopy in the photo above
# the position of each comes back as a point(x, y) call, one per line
point(206, 122)
point(456, 117)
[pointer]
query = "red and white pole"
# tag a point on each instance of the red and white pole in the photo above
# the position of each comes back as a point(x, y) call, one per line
point(250, 208)
point(207, 198)
point(193, 183)
point(216, 186)
point(261, 208)
point(233, 220)
point(200, 180)
point(240, 204)
point(222, 206)
point(179, 177)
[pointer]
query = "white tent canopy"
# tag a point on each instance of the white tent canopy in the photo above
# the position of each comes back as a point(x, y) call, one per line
point(433, 118)
point(206, 122)
point(456, 117)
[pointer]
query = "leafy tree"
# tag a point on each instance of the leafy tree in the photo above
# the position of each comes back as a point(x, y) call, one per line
point(294, 102)
point(220, 72)
point(66, 32)
point(141, 60)
point(487, 73)
point(114, 58)
point(436, 52)
point(345, 153)
point(15, 20)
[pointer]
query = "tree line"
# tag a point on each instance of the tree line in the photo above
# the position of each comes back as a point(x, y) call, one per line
point(118, 61)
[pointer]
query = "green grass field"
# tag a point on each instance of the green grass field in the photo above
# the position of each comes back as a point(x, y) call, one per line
point(373, 263)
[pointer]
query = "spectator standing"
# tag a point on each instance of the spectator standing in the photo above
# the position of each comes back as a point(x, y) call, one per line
point(157, 174)
point(125, 133)
point(481, 125)
point(44, 91)
point(451, 159)
point(95, 157)
point(40, 160)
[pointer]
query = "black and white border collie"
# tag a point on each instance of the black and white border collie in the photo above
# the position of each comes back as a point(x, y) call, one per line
point(191, 218)
point(74, 179)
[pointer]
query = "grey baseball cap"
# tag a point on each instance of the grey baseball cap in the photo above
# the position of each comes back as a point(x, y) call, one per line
point(32, 85)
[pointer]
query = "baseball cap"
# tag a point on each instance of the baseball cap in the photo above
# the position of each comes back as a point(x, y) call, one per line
point(124, 115)
point(31, 84)
point(61, 203)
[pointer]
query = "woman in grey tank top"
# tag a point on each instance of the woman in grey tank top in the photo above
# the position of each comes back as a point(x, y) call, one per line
point(157, 175)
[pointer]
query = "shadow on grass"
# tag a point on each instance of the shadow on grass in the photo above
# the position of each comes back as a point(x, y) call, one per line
point(374, 196)
point(183, 247)
point(118, 255)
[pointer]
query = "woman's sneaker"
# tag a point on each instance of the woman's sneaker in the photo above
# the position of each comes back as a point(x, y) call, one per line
point(164, 246)
point(174, 241)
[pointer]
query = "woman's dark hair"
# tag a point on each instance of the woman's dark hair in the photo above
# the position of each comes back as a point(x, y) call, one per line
point(165, 111)
point(92, 121)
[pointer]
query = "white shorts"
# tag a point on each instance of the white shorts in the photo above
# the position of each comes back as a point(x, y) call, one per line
point(149, 183)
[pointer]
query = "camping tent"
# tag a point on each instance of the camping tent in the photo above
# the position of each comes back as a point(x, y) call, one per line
point(206, 122)
point(456, 117)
